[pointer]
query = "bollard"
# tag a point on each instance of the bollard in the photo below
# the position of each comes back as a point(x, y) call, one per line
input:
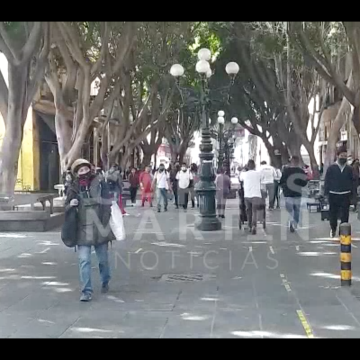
point(345, 254)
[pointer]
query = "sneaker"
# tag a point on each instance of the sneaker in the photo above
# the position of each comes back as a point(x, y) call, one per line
point(158, 210)
point(332, 234)
point(105, 288)
point(85, 297)
point(165, 209)
point(253, 230)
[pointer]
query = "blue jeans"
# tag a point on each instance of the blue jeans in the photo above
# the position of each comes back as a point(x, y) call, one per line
point(85, 265)
point(162, 194)
point(292, 206)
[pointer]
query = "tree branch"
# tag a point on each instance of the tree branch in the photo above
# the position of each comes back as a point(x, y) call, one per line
point(4, 96)
point(6, 46)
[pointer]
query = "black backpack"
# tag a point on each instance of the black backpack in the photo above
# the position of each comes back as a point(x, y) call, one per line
point(69, 231)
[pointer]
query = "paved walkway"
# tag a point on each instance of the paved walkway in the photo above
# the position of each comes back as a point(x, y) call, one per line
point(171, 281)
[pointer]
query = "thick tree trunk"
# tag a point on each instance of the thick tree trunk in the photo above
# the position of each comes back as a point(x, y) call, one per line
point(336, 125)
point(294, 147)
point(11, 145)
point(63, 136)
point(10, 151)
point(252, 147)
point(146, 160)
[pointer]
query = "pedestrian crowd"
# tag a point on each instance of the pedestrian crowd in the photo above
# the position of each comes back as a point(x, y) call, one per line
point(91, 190)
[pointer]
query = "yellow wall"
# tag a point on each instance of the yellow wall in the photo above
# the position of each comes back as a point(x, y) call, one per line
point(29, 158)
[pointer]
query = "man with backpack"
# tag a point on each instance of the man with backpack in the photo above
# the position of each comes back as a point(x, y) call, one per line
point(89, 200)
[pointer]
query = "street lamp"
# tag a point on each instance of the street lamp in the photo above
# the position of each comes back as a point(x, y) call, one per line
point(226, 140)
point(205, 188)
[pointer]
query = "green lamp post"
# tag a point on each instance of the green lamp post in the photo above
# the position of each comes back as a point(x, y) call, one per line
point(205, 188)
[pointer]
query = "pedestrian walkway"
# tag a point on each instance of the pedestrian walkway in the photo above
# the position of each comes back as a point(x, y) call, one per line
point(170, 280)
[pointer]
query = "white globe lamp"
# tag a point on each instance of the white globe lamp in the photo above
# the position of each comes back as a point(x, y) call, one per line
point(177, 70)
point(202, 67)
point(232, 68)
point(221, 120)
point(234, 120)
point(221, 113)
point(204, 54)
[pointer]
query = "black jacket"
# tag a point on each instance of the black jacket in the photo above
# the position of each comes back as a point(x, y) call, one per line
point(292, 181)
point(94, 212)
point(339, 181)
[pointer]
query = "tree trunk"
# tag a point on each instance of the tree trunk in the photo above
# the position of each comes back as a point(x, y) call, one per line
point(10, 151)
point(294, 147)
point(63, 136)
point(146, 160)
point(17, 112)
point(336, 125)
point(252, 147)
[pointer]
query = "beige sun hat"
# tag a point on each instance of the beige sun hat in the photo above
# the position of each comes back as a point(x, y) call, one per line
point(78, 163)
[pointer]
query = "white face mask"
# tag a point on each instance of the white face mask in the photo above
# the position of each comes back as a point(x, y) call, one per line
point(183, 168)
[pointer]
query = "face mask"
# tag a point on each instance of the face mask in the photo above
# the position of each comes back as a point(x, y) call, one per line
point(183, 168)
point(161, 169)
point(85, 176)
point(342, 161)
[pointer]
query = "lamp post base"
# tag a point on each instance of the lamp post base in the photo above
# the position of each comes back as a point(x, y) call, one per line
point(208, 224)
point(206, 190)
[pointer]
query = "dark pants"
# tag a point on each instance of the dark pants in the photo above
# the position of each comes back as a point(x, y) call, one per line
point(175, 191)
point(184, 197)
point(339, 203)
point(270, 189)
point(133, 192)
point(253, 205)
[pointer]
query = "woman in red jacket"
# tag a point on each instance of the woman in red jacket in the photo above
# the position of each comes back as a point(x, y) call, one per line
point(145, 185)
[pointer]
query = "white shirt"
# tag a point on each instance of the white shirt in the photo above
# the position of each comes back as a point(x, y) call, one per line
point(184, 178)
point(252, 183)
point(162, 180)
point(269, 174)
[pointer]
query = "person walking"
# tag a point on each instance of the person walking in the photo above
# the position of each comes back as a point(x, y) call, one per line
point(223, 187)
point(161, 183)
point(184, 178)
point(114, 179)
point(269, 175)
point(277, 187)
point(134, 185)
point(67, 180)
point(89, 192)
point(292, 181)
point(174, 183)
point(339, 188)
point(145, 185)
point(356, 173)
point(196, 178)
point(252, 181)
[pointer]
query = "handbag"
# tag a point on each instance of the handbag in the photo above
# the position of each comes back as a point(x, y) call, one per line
point(69, 230)
point(117, 222)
